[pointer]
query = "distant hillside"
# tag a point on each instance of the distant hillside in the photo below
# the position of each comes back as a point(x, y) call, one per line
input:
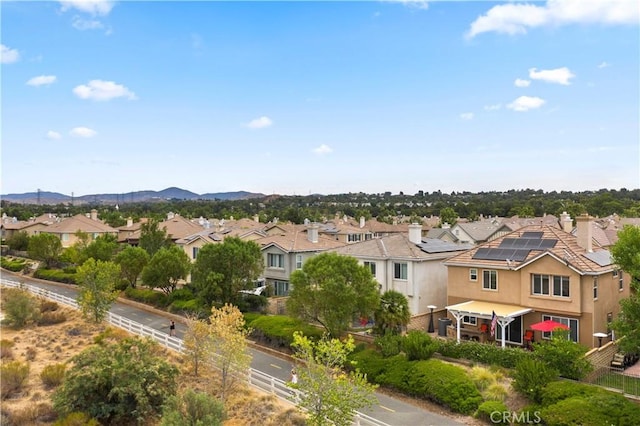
point(173, 193)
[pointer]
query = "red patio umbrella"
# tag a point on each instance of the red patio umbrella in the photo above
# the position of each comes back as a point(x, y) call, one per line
point(547, 326)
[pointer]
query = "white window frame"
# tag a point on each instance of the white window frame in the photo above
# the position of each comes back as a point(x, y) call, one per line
point(194, 251)
point(400, 271)
point(275, 260)
point(620, 280)
point(299, 261)
point(371, 266)
point(561, 287)
point(543, 285)
point(595, 288)
point(487, 282)
point(473, 274)
point(471, 320)
point(565, 321)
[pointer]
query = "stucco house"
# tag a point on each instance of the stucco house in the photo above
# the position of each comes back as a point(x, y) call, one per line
point(411, 265)
point(536, 273)
point(480, 231)
point(66, 229)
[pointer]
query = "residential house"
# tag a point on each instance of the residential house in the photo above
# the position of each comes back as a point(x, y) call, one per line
point(536, 273)
point(66, 229)
point(11, 225)
point(480, 231)
point(411, 265)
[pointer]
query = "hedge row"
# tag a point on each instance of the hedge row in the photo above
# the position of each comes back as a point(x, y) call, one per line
point(12, 265)
point(277, 330)
point(55, 275)
point(434, 380)
point(483, 353)
point(145, 295)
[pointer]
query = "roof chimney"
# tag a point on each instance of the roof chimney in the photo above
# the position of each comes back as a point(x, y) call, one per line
point(312, 232)
point(566, 222)
point(415, 233)
point(362, 221)
point(584, 232)
point(94, 214)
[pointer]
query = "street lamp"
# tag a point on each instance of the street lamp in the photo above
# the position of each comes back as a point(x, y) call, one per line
point(430, 329)
point(600, 335)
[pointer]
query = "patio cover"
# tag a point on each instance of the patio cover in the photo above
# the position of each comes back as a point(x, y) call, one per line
point(505, 313)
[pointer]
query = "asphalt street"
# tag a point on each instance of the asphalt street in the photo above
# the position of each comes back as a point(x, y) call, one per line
point(387, 409)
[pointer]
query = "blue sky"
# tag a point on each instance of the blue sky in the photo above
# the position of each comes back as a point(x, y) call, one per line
point(320, 97)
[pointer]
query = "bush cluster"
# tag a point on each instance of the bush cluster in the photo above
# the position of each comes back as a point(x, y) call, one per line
point(14, 376)
point(418, 345)
point(147, 296)
point(52, 375)
point(57, 275)
point(432, 379)
point(486, 411)
point(13, 265)
point(277, 330)
point(51, 318)
point(481, 352)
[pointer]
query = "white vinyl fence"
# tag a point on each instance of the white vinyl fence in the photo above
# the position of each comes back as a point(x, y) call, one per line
point(255, 378)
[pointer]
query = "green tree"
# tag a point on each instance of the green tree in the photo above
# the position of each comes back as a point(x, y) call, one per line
point(132, 261)
point(332, 290)
point(228, 347)
point(563, 355)
point(103, 248)
point(393, 313)
point(329, 395)
point(626, 255)
point(120, 383)
point(152, 238)
point(96, 282)
point(448, 215)
point(166, 268)
point(19, 241)
point(45, 247)
point(222, 270)
point(192, 408)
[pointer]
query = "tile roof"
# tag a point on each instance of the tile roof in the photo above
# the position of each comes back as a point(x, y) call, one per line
point(481, 230)
point(396, 246)
point(298, 241)
point(79, 222)
point(566, 249)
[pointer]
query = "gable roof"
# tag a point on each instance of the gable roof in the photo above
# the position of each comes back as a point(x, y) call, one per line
point(481, 230)
point(398, 246)
point(77, 223)
point(298, 241)
point(566, 250)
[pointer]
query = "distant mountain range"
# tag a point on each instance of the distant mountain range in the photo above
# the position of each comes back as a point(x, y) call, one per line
point(45, 197)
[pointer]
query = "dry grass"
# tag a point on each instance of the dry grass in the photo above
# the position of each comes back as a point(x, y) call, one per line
point(45, 346)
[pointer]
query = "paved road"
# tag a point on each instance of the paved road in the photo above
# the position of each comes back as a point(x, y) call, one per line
point(389, 410)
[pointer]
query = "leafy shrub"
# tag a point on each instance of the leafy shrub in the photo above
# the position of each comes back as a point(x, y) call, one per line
point(482, 353)
point(192, 408)
point(52, 375)
point(5, 349)
point(369, 362)
point(77, 419)
point(278, 330)
point(12, 265)
point(14, 376)
point(418, 345)
point(602, 408)
point(563, 389)
point(564, 355)
point(252, 303)
point(69, 270)
point(487, 412)
point(50, 318)
point(147, 296)
point(531, 376)
point(389, 344)
point(56, 275)
point(19, 241)
point(249, 317)
point(190, 307)
point(20, 307)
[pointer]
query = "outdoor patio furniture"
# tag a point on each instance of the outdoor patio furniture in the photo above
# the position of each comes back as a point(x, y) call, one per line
point(618, 361)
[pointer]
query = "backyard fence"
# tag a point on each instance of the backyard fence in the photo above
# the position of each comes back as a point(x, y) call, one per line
point(255, 378)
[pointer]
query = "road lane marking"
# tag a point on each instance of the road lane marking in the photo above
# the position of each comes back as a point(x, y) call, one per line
point(388, 409)
point(276, 366)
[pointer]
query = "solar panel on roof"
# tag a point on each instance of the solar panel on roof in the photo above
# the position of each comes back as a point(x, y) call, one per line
point(528, 243)
point(531, 234)
point(517, 255)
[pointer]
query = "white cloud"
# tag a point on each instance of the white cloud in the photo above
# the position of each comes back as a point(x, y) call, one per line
point(418, 4)
point(8, 55)
point(53, 135)
point(521, 82)
point(99, 90)
point(525, 103)
point(41, 80)
point(323, 149)
point(83, 132)
point(93, 7)
point(558, 75)
point(466, 115)
point(517, 18)
point(603, 65)
point(86, 24)
point(494, 107)
point(260, 123)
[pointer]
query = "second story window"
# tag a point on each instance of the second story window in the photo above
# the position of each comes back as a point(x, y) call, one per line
point(195, 252)
point(595, 288)
point(400, 271)
point(620, 281)
point(540, 284)
point(473, 274)
point(354, 238)
point(560, 286)
point(298, 261)
point(275, 260)
point(371, 266)
point(490, 280)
